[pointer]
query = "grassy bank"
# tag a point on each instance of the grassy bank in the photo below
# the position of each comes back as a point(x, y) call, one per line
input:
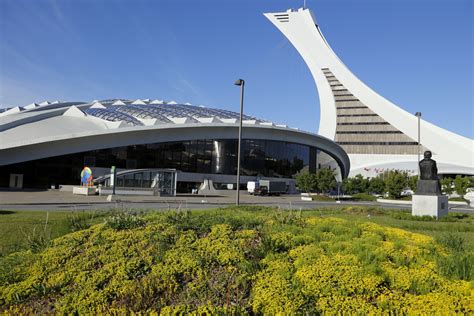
point(248, 260)
point(19, 230)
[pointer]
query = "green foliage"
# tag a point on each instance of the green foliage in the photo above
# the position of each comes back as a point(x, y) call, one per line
point(412, 182)
point(19, 228)
point(363, 197)
point(395, 182)
point(460, 185)
point(471, 182)
point(459, 264)
point(451, 217)
point(124, 220)
point(326, 180)
point(322, 181)
point(39, 237)
point(376, 185)
point(306, 182)
point(250, 260)
point(447, 185)
point(357, 184)
point(80, 220)
point(13, 267)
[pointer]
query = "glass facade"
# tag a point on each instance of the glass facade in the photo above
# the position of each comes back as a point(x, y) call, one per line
point(260, 158)
point(161, 181)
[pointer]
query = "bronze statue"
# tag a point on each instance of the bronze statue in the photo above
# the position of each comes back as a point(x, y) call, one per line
point(429, 182)
point(428, 168)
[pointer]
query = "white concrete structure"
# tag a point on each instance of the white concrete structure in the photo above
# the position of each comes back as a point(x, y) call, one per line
point(377, 134)
point(62, 137)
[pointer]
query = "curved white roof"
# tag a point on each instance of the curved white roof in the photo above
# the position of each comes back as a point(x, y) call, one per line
point(61, 128)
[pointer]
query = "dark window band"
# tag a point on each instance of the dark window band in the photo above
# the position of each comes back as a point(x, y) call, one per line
point(379, 143)
point(369, 132)
point(351, 107)
point(345, 100)
point(359, 115)
point(364, 123)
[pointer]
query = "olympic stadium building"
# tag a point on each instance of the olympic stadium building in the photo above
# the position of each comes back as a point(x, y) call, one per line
point(50, 143)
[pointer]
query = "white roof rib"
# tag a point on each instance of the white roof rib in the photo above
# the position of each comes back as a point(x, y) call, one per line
point(229, 120)
point(98, 105)
point(74, 111)
point(157, 102)
point(14, 110)
point(118, 102)
point(249, 122)
point(149, 122)
point(180, 120)
point(208, 120)
point(44, 103)
point(30, 106)
point(171, 102)
point(138, 101)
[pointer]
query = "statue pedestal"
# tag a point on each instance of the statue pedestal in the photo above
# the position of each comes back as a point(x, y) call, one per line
point(431, 205)
point(428, 187)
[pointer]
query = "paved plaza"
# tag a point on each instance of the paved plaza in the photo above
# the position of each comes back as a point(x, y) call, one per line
point(58, 200)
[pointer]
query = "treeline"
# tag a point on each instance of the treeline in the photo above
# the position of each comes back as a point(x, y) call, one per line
point(393, 183)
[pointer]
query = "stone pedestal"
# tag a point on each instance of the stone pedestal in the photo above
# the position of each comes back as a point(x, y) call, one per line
point(83, 190)
point(431, 205)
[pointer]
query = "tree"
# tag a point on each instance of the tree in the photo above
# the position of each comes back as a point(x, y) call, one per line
point(347, 186)
point(376, 185)
point(471, 182)
point(460, 185)
point(357, 184)
point(326, 180)
point(412, 182)
point(307, 182)
point(447, 185)
point(395, 183)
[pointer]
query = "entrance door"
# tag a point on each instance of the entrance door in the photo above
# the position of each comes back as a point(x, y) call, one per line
point(16, 181)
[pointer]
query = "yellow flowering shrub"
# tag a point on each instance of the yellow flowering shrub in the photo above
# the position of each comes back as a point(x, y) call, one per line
point(235, 263)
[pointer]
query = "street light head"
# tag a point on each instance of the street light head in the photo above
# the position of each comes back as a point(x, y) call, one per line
point(418, 114)
point(239, 82)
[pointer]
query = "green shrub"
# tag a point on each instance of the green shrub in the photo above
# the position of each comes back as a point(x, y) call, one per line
point(363, 197)
point(322, 198)
point(80, 220)
point(459, 264)
point(124, 220)
point(39, 237)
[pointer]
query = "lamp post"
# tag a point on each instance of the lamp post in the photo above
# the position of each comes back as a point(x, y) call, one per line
point(241, 83)
point(418, 115)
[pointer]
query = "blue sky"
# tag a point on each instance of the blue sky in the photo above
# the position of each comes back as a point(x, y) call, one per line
point(416, 53)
